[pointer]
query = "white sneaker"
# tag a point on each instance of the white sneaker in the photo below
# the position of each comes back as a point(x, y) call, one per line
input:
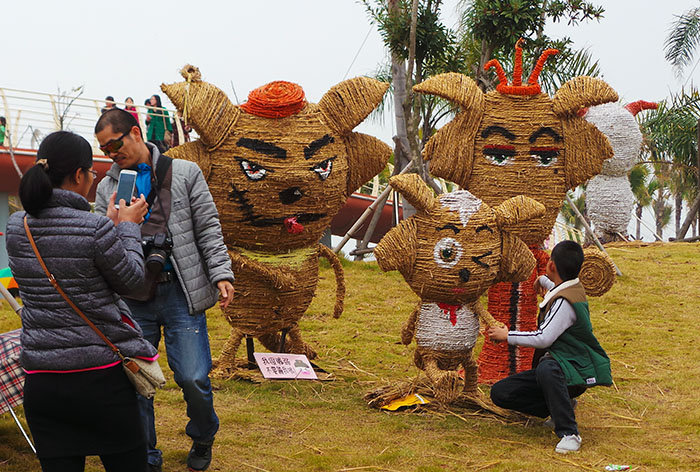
point(570, 443)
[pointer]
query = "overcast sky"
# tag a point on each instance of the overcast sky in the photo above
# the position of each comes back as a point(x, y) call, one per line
point(127, 48)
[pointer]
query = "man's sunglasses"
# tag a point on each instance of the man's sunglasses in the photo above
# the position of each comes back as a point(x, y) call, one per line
point(114, 145)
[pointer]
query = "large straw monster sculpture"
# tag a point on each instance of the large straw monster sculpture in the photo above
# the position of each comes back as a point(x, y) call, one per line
point(512, 141)
point(279, 169)
point(449, 253)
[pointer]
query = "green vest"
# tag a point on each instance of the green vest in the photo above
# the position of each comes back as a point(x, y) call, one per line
point(578, 352)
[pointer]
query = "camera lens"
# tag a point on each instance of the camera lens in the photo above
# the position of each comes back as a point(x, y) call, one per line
point(156, 260)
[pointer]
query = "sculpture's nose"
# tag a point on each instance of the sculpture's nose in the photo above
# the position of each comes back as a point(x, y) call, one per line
point(464, 275)
point(291, 195)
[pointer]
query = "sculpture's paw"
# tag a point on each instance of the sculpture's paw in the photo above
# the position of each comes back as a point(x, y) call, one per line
point(448, 387)
point(222, 370)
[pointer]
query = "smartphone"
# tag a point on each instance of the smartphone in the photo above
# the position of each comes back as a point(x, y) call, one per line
point(125, 187)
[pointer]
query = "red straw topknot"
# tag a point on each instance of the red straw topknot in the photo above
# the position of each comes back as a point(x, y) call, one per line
point(277, 99)
point(517, 88)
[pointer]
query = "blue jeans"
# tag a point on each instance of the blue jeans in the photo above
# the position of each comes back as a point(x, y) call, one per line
point(189, 357)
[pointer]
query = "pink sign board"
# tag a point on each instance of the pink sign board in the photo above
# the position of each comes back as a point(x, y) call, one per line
point(284, 366)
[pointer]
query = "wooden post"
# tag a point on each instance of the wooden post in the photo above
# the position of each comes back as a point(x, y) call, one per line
point(379, 201)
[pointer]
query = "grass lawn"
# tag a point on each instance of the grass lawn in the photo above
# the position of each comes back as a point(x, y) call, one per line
point(650, 418)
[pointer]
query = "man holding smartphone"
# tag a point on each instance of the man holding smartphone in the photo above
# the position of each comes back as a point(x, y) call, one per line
point(195, 266)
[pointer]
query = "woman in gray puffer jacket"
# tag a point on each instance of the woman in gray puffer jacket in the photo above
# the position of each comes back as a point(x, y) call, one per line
point(78, 401)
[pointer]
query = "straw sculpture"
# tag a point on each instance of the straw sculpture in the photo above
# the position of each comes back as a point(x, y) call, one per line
point(597, 272)
point(279, 169)
point(450, 252)
point(512, 141)
point(609, 198)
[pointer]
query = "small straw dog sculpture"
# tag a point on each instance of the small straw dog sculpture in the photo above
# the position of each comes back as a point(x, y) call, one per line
point(279, 169)
point(450, 252)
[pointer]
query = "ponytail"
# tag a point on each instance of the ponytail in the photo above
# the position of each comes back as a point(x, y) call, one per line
point(60, 154)
point(35, 189)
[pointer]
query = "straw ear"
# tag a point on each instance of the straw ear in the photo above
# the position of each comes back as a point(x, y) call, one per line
point(413, 189)
point(516, 210)
point(581, 92)
point(208, 108)
point(457, 88)
point(450, 151)
point(586, 147)
point(348, 103)
point(367, 156)
point(193, 151)
point(517, 261)
point(397, 249)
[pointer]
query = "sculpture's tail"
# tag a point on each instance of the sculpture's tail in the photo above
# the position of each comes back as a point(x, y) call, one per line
point(339, 279)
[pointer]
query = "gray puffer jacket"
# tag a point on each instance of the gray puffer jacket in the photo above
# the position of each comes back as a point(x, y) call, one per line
point(199, 255)
point(93, 262)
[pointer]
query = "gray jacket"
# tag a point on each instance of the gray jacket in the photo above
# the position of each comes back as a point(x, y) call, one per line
point(93, 262)
point(199, 254)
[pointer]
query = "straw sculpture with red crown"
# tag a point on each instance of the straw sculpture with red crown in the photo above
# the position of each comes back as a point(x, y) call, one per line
point(511, 141)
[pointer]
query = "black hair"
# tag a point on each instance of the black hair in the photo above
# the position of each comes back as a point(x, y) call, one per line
point(3, 121)
point(158, 102)
point(120, 120)
point(568, 258)
point(65, 152)
point(109, 98)
point(128, 98)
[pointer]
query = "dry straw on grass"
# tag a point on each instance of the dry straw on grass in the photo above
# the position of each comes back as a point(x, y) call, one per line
point(269, 425)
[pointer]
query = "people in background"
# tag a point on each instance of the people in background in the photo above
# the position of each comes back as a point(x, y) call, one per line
point(109, 104)
point(158, 122)
point(131, 108)
point(3, 125)
point(186, 129)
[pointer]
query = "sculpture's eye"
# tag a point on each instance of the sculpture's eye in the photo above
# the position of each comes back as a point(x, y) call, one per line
point(544, 157)
point(252, 170)
point(499, 155)
point(447, 252)
point(323, 169)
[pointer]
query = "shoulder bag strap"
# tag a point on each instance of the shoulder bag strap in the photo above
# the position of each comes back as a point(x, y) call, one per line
point(58, 288)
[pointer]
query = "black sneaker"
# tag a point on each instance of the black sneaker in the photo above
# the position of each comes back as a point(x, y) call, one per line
point(199, 457)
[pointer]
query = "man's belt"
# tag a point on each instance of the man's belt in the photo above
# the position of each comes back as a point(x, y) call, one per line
point(166, 276)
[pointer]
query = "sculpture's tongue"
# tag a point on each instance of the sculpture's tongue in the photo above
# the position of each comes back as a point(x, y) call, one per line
point(293, 227)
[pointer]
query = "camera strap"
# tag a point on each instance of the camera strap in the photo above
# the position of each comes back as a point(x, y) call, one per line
point(159, 198)
point(162, 167)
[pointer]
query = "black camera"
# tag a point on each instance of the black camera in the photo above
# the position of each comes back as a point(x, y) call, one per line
point(157, 249)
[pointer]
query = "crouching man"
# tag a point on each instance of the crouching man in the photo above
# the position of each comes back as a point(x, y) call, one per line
point(568, 359)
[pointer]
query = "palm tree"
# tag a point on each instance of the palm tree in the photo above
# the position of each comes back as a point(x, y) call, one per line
point(567, 212)
point(662, 210)
point(671, 142)
point(642, 192)
point(680, 48)
point(683, 40)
